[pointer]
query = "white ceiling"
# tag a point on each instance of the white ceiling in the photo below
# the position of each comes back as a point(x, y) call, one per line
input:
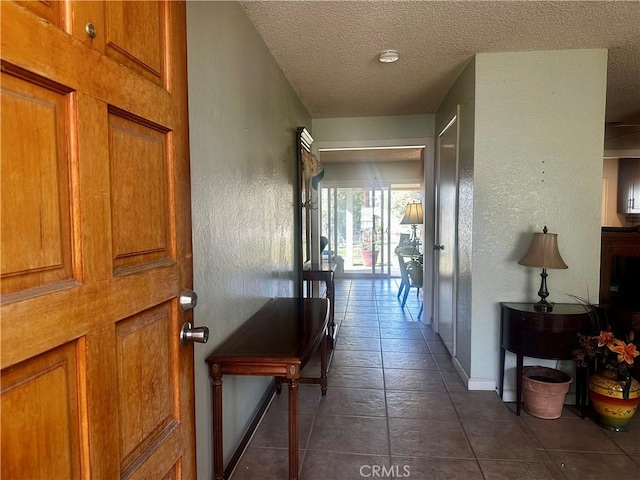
point(329, 50)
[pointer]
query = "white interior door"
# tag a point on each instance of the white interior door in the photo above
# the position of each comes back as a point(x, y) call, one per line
point(445, 232)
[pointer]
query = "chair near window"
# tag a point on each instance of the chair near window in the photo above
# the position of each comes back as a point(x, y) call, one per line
point(406, 282)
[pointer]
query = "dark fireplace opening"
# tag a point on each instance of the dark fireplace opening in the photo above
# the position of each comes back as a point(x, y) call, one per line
point(625, 282)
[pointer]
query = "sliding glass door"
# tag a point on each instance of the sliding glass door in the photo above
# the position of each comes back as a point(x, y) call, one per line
point(363, 227)
point(355, 220)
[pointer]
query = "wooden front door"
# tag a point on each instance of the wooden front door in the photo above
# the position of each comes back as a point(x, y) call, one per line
point(96, 241)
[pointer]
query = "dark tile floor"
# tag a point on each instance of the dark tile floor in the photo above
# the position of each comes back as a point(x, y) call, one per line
point(395, 408)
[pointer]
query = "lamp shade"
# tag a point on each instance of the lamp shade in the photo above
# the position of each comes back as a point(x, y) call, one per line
point(543, 252)
point(412, 214)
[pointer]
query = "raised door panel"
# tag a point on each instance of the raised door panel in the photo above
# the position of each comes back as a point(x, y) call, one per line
point(51, 11)
point(135, 33)
point(147, 379)
point(41, 424)
point(36, 171)
point(139, 192)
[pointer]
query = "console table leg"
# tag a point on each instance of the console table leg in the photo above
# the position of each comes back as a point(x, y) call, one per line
point(502, 355)
point(323, 364)
point(581, 390)
point(293, 429)
point(218, 463)
point(331, 293)
point(519, 362)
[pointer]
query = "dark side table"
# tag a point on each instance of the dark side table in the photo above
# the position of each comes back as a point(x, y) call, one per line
point(547, 335)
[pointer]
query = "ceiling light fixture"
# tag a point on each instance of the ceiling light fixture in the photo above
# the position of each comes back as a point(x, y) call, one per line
point(389, 56)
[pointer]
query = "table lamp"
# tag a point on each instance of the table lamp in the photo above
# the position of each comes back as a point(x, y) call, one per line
point(543, 253)
point(413, 216)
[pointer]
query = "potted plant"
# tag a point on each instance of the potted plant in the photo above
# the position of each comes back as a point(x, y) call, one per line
point(613, 391)
point(368, 242)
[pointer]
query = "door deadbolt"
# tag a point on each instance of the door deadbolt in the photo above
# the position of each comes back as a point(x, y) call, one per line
point(188, 300)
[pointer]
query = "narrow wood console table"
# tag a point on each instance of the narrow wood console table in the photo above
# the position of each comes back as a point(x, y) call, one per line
point(278, 340)
point(547, 335)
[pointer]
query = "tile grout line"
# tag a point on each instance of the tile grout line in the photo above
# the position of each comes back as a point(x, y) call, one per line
point(380, 301)
point(317, 409)
point(464, 431)
point(384, 390)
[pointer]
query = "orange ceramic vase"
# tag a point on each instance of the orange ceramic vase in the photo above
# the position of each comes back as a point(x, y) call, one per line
point(605, 392)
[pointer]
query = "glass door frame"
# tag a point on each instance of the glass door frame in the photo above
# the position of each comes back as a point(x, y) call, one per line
point(380, 194)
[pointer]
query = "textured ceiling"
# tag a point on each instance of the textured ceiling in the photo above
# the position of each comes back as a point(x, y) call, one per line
point(329, 50)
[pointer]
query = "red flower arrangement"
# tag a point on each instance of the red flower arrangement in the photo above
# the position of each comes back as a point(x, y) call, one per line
point(605, 349)
point(610, 352)
point(613, 352)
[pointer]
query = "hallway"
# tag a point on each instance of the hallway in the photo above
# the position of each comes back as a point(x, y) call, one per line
point(396, 405)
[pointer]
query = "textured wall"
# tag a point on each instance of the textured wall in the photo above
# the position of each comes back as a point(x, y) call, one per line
point(332, 130)
point(243, 115)
point(539, 133)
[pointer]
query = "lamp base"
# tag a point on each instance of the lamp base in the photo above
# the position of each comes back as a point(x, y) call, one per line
point(414, 236)
point(543, 306)
point(543, 293)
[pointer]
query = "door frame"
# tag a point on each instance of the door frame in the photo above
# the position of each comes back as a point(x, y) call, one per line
point(427, 145)
point(375, 192)
point(451, 117)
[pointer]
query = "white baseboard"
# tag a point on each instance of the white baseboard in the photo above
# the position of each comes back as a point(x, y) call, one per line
point(473, 383)
point(489, 384)
point(485, 384)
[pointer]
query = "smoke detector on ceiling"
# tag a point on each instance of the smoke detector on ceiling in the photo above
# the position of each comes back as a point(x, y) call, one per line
point(389, 56)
